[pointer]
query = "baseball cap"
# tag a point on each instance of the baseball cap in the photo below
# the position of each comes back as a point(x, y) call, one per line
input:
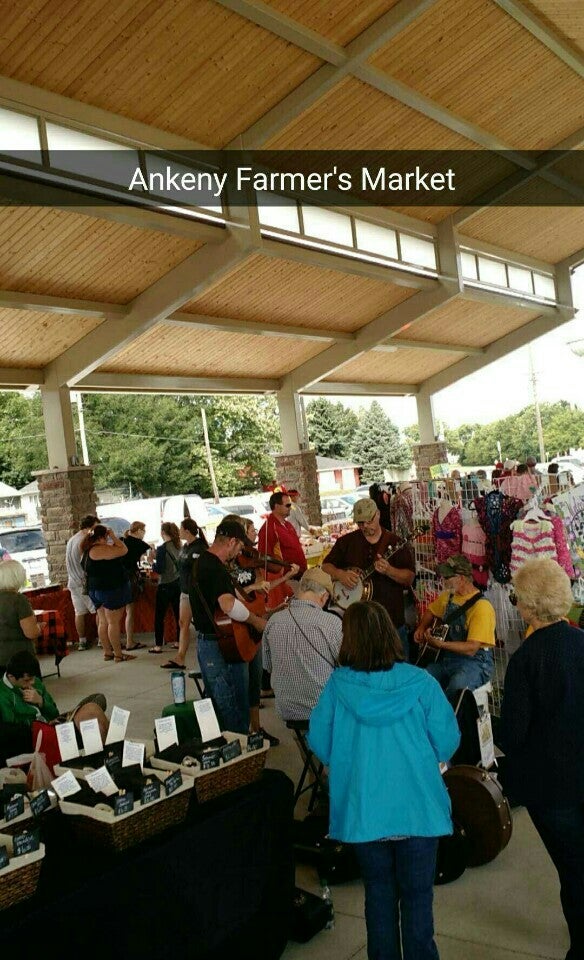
point(317, 575)
point(509, 464)
point(364, 510)
point(455, 566)
point(233, 530)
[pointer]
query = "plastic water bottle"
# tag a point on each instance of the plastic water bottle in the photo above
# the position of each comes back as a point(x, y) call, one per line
point(178, 686)
point(325, 892)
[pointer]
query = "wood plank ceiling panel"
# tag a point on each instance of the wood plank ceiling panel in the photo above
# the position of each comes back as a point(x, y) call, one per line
point(564, 17)
point(181, 352)
point(340, 21)
point(66, 254)
point(187, 66)
point(280, 291)
point(475, 60)
point(403, 366)
point(465, 322)
point(34, 339)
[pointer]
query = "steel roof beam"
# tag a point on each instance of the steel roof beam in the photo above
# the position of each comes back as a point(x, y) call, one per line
point(138, 383)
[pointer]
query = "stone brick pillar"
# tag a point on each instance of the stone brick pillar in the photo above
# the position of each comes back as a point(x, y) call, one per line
point(297, 471)
point(65, 497)
point(426, 455)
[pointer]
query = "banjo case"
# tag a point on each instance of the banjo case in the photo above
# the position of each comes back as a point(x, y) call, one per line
point(481, 809)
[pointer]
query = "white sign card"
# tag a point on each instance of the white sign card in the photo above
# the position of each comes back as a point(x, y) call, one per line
point(486, 741)
point(117, 727)
point(91, 736)
point(207, 719)
point(166, 733)
point(66, 785)
point(101, 782)
point(67, 741)
point(133, 753)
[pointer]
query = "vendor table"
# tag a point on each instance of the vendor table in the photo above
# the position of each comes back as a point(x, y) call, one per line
point(53, 638)
point(218, 886)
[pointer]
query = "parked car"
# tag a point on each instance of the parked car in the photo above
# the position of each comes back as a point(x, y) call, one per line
point(28, 546)
point(572, 465)
point(335, 508)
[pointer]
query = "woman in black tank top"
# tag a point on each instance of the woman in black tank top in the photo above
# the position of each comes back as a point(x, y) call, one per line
point(108, 586)
point(195, 543)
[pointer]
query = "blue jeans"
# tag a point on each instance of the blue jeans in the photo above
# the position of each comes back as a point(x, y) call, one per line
point(454, 671)
point(562, 832)
point(399, 886)
point(403, 635)
point(226, 683)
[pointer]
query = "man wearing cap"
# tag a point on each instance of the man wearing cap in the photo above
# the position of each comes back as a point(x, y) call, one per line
point(213, 591)
point(366, 546)
point(466, 656)
point(301, 646)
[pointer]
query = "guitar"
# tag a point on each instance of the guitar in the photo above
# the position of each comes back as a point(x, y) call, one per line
point(439, 631)
point(237, 641)
point(344, 596)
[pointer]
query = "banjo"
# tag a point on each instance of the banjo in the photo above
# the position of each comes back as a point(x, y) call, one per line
point(344, 596)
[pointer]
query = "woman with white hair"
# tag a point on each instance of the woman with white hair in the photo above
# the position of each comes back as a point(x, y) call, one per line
point(542, 718)
point(18, 625)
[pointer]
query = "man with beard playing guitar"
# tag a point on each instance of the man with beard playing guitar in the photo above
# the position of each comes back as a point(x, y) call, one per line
point(365, 547)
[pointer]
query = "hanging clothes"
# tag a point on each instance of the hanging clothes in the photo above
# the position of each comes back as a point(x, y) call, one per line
point(532, 539)
point(447, 534)
point(523, 486)
point(474, 547)
point(496, 513)
point(562, 548)
point(402, 513)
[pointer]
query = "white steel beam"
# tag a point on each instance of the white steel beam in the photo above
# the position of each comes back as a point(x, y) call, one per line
point(173, 224)
point(290, 30)
point(394, 344)
point(340, 388)
point(46, 304)
point(574, 260)
point(426, 419)
point(168, 294)
point(21, 377)
point(514, 300)
point(229, 325)
point(137, 383)
point(561, 49)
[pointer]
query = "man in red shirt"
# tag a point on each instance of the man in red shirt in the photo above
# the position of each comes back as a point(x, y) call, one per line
point(278, 538)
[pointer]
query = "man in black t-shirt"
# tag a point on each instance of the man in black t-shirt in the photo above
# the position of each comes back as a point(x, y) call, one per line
point(227, 683)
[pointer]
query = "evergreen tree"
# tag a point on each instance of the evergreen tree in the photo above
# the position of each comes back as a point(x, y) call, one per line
point(378, 445)
point(331, 428)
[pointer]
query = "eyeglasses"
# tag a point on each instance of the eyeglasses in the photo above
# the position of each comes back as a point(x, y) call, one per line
point(287, 505)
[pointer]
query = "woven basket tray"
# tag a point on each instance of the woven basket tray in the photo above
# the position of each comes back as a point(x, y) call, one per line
point(25, 820)
point(118, 833)
point(229, 776)
point(18, 881)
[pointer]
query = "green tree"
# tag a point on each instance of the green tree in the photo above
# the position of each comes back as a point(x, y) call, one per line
point(22, 438)
point(331, 427)
point(378, 445)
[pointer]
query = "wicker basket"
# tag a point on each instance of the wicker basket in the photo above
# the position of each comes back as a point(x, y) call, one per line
point(25, 820)
point(103, 828)
point(223, 779)
point(18, 881)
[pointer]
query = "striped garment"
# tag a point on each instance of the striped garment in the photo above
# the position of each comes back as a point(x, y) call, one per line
point(532, 539)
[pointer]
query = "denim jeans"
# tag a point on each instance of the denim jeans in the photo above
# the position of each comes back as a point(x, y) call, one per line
point(403, 635)
point(399, 886)
point(562, 832)
point(226, 683)
point(454, 671)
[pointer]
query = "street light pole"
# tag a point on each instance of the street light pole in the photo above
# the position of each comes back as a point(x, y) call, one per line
point(538, 423)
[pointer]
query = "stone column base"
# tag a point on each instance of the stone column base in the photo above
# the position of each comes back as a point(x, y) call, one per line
point(426, 455)
point(65, 497)
point(297, 471)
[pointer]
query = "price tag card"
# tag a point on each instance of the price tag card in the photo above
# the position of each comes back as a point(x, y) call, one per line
point(67, 741)
point(150, 791)
point(41, 802)
point(91, 736)
point(133, 753)
point(4, 861)
point(26, 842)
point(113, 761)
point(166, 733)
point(66, 785)
point(486, 741)
point(255, 741)
point(210, 759)
point(231, 750)
point(124, 803)
point(173, 782)
point(207, 719)
point(117, 727)
point(14, 807)
point(101, 782)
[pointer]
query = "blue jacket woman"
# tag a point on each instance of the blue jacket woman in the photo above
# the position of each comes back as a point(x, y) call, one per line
point(383, 726)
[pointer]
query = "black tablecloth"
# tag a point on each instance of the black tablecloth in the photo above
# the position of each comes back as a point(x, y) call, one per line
point(220, 885)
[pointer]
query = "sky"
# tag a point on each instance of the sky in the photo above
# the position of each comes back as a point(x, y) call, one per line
point(505, 387)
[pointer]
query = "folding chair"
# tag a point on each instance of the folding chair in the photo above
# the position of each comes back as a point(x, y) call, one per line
point(300, 729)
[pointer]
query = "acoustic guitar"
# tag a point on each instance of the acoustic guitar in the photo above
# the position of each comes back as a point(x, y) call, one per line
point(238, 641)
point(344, 596)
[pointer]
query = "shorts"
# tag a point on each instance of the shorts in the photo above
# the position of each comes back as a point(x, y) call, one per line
point(82, 602)
point(114, 598)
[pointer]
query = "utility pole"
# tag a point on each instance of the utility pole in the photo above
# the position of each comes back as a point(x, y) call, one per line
point(209, 457)
point(84, 451)
point(533, 378)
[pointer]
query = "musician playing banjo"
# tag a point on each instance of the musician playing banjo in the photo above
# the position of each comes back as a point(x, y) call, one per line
point(364, 548)
point(466, 657)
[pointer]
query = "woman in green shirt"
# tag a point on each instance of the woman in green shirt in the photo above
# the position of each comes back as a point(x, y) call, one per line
point(18, 626)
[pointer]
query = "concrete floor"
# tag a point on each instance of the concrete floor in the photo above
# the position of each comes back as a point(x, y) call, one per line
point(506, 910)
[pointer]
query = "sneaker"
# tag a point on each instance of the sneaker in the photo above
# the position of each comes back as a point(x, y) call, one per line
point(272, 740)
point(82, 645)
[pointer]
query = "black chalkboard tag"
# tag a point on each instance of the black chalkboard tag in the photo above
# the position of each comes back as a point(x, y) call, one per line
point(14, 808)
point(41, 802)
point(150, 791)
point(124, 803)
point(210, 759)
point(113, 763)
point(4, 861)
point(173, 782)
point(231, 750)
point(255, 741)
point(26, 842)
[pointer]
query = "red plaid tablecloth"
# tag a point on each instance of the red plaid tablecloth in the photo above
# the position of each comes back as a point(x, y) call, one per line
point(53, 638)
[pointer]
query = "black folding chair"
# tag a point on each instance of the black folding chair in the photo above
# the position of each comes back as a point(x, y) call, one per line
point(311, 765)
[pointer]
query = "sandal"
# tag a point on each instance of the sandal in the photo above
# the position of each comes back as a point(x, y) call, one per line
point(155, 650)
point(124, 658)
point(108, 656)
point(174, 646)
point(172, 665)
point(136, 646)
